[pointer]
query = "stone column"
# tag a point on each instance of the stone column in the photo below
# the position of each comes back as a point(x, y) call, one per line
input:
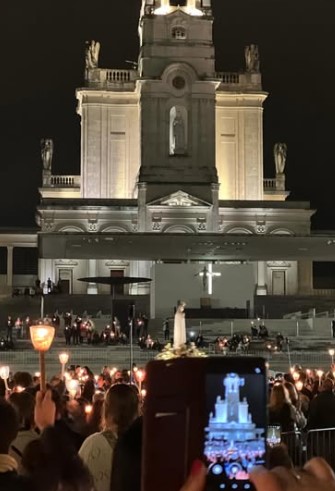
point(261, 288)
point(142, 270)
point(142, 206)
point(215, 210)
point(10, 266)
point(92, 288)
point(305, 277)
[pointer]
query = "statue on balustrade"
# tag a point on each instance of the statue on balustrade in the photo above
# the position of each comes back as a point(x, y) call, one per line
point(280, 152)
point(47, 150)
point(92, 54)
point(252, 58)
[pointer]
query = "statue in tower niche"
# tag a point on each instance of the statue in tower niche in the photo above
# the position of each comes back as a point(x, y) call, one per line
point(92, 54)
point(252, 59)
point(280, 152)
point(178, 132)
point(47, 149)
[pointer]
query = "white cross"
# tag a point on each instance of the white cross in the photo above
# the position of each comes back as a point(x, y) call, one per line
point(208, 274)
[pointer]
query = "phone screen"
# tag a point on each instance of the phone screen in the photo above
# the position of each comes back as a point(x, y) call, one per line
point(274, 435)
point(235, 435)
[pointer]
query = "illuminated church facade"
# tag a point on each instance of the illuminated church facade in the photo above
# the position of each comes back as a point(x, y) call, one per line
point(172, 150)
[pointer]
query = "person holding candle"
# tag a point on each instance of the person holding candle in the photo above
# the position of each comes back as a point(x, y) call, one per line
point(52, 461)
point(121, 408)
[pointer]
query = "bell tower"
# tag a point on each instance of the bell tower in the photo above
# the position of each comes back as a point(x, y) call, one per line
point(177, 98)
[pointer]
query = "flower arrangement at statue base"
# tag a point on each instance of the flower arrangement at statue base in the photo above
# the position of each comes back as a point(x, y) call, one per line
point(184, 351)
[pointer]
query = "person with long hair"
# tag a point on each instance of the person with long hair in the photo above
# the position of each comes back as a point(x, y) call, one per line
point(295, 400)
point(24, 405)
point(281, 411)
point(121, 408)
point(51, 462)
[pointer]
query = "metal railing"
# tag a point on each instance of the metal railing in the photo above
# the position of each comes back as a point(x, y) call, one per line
point(321, 443)
point(295, 443)
point(314, 443)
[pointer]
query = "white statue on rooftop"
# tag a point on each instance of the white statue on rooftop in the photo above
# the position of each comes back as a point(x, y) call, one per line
point(252, 59)
point(92, 54)
point(280, 153)
point(47, 148)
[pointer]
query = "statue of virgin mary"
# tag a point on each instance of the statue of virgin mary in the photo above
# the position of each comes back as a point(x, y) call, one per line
point(179, 331)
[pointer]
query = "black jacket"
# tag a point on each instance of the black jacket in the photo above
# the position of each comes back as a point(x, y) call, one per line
point(322, 411)
point(126, 468)
point(11, 481)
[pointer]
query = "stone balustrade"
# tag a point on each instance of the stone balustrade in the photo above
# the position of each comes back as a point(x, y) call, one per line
point(64, 181)
point(270, 184)
point(251, 81)
point(228, 77)
point(105, 78)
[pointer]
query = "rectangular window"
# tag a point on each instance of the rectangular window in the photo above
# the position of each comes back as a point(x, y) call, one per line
point(25, 260)
point(3, 260)
point(323, 275)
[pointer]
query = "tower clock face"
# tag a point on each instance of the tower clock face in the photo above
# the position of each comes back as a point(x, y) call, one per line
point(178, 82)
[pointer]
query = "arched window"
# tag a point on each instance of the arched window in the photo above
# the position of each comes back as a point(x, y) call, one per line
point(179, 33)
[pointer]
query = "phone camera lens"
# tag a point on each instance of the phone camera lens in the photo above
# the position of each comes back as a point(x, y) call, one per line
point(217, 469)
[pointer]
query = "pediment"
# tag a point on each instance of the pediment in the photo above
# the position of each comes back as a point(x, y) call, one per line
point(184, 12)
point(178, 13)
point(179, 199)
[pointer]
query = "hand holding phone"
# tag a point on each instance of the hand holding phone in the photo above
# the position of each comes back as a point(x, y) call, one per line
point(209, 407)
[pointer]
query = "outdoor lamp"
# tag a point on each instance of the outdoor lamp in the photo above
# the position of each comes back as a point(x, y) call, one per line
point(63, 359)
point(331, 354)
point(42, 336)
point(4, 374)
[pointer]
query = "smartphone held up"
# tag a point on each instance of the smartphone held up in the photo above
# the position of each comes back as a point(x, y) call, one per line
point(209, 408)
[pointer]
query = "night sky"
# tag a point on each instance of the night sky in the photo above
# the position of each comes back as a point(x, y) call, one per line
point(42, 62)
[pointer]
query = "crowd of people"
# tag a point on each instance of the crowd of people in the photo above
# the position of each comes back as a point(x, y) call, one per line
point(85, 432)
point(79, 330)
point(302, 399)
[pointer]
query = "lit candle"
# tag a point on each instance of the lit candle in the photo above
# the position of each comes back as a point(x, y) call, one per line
point(72, 386)
point(299, 385)
point(319, 374)
point(42, 337)
point(63, 359)
point(4, 374)
point(88, 409)
point(143, 394)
